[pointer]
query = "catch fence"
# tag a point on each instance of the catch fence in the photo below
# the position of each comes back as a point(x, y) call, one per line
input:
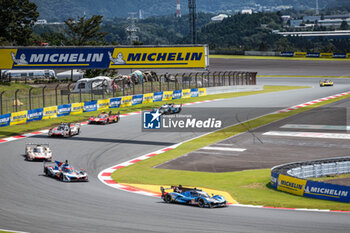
point(52, 94)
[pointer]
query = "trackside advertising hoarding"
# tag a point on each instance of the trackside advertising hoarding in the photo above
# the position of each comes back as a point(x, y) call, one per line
point(78, 108)
point(121, 57)
point(309, 188)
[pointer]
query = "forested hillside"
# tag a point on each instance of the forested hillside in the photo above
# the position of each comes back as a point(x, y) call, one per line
point(59, 10)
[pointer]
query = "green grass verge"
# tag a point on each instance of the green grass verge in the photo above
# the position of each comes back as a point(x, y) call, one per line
point(275, 58)
point(247, 187)
point(43, 124)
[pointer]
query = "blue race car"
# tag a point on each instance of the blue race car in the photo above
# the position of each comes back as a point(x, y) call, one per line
point(64, 172)
point(169, 109)
point(192, 196)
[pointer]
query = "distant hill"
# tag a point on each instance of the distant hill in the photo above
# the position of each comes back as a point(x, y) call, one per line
point(59, 10)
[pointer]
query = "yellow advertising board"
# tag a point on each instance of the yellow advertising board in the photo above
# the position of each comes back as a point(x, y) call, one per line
point(126, 101)
point(326, 55)
point(77, 108)
point(147, 98)
point(103, 104)
point(300, 54)
point(186, 93)
point(167, 95)
point(50, 112)
point(160, 57)
point(18, 117)
point(6, 58)
point(202, 91)
point(291, 185)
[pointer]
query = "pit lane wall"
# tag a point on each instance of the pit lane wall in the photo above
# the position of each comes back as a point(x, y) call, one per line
point(291, 178)
point(21, 117)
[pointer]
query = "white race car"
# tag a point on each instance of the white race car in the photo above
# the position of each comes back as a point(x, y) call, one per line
point(38, 151)
point(65, 130)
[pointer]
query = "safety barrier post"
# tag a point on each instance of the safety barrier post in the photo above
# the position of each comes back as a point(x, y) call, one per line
point(196, 80)
point(44, 96)
point(30, 98)
point(56, 94)
point(176, 82)
point(208, 82)
point(123, 86)
point(151, 85)
point(68, 96)
point(1, 101)
point(143, 87)
point(16, 99)
point(160, 82)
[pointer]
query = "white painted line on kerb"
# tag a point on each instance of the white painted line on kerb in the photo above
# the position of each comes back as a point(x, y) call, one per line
point(325, 127)
point(308, 134)
point(223, 148)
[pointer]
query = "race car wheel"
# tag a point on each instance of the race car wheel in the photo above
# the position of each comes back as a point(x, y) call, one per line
point(117, 120)
point(46, 171)
point(168, 198)
point(61, 177)
point(78, 132)
point(201, 203)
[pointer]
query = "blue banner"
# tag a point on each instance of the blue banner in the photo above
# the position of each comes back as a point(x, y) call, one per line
point(157, 96)
point(194, 92)
point(287, 54)
point(63, 110)
point(313, 55)
point(5, 119)
point(64, 58)
point(35, 114)
point(327, 191)
point(274, 180)
point(177, 94)
point(115, 102)
point(137, 99)
point(339, 55)
point(90, 106)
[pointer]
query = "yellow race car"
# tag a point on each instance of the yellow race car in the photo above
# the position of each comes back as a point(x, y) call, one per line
point(326, 82)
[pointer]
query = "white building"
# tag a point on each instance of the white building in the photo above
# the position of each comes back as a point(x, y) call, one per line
point(219, 18)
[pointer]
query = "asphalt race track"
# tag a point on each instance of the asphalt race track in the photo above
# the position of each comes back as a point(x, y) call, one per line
point(31, 202)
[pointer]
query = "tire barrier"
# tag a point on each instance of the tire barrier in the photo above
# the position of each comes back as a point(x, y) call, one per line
point(292, 178)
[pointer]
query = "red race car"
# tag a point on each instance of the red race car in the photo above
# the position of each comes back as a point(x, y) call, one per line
point(104, 118)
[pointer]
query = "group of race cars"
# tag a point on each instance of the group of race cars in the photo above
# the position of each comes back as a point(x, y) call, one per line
point(66, 173)
point(63, 171)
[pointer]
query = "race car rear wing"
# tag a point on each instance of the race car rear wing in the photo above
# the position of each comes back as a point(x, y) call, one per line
point(37, 144)
point(177, 189)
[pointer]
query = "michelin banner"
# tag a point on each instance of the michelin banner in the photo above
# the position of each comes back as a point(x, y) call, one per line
point(136, 99)
point(77, 108)
point(5, 120)
point(147, 98)
point(103, 104)
point(90, 106)
point(157, 96)
point(186, 93)
point(63, 110)
point(194, 92)
point(202, 91)
point(327, 191)
point(35, 114)
point(291, 185)
point(18, 118)
point(115, 102)
point(177, 94)
point(191, 56)
point(167, 95)
point(126, 101)
point(315, 55)
point(50, 112)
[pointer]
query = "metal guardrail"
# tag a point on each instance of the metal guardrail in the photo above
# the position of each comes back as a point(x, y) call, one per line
point(316, 168)
point(58, 94)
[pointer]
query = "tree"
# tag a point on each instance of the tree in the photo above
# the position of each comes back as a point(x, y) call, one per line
point(344, 25)
point(85, 31)
point(16, 20)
